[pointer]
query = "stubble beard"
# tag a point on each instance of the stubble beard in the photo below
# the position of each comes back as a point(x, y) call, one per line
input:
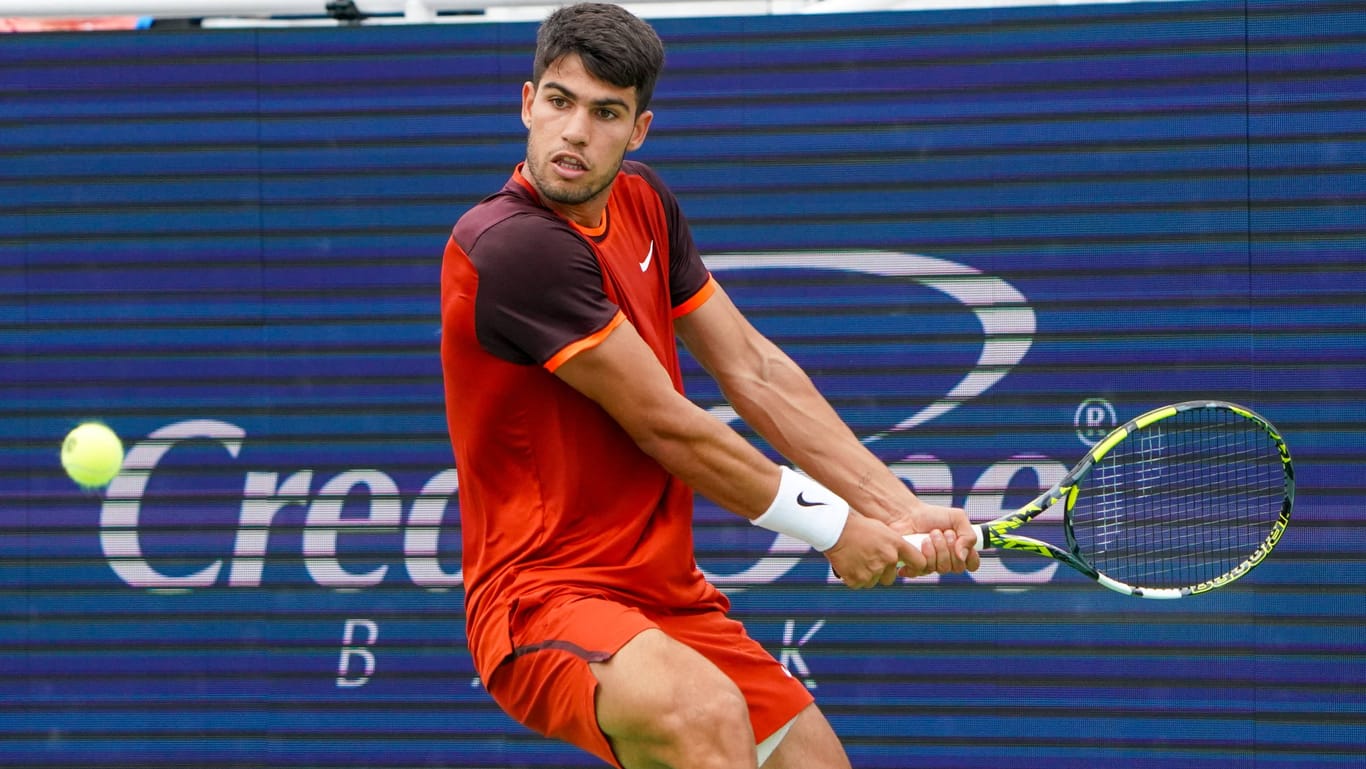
point(567, 194)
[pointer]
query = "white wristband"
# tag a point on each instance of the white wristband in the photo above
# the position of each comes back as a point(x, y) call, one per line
point(806, 510)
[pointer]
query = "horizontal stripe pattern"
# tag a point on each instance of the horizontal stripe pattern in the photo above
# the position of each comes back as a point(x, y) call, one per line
point(246, 227)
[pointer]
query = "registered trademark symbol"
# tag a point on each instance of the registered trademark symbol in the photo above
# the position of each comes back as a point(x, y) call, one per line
point(1094, 419)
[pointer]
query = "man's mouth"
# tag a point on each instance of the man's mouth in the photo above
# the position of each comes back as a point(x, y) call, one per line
point(569, 166)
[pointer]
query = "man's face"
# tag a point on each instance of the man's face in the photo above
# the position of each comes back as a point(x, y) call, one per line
point(579, 129)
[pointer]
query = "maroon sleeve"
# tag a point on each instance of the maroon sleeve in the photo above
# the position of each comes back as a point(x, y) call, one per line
point(540, 289)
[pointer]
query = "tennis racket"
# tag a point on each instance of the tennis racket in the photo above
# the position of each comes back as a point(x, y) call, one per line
point(1181, 500)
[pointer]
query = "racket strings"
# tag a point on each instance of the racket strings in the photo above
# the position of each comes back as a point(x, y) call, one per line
point(1180, 502)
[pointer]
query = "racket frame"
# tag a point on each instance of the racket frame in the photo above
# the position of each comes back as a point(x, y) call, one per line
point(998, 534)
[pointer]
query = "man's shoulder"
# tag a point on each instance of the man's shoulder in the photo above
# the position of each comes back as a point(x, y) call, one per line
point(504, 204)
point(506, 217)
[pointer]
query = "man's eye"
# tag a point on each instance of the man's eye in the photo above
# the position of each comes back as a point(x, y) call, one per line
point(607, 114)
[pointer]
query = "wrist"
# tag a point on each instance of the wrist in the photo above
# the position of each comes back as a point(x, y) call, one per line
point(806, 510)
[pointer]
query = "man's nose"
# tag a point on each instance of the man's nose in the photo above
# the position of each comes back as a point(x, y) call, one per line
point(578, 127)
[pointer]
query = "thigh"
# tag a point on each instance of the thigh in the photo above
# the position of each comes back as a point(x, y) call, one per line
point(772, 695)
point(698, 691)
point(662, 704)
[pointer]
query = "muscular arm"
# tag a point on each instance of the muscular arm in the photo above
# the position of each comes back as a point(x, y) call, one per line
point(775, 397)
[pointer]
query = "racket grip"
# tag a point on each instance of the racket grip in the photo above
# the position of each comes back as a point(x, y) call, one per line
point(917, 539)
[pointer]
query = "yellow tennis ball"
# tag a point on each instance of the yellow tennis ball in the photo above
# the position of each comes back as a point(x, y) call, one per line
point(92, 455)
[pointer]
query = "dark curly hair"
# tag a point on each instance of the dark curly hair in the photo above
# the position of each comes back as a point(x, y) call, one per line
point(615, 46)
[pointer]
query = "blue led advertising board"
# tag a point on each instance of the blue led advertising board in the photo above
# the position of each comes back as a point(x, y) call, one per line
point(989, 236)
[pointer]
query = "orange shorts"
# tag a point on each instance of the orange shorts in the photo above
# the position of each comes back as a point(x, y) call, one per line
point(548, 686)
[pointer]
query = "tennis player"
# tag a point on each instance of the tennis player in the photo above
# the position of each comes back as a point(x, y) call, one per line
point(561, 298)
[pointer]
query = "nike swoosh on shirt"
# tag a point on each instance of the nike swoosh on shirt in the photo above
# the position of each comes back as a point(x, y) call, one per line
point(648, 256)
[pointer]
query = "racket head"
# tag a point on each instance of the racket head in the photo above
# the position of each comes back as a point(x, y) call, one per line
point(1181, 500)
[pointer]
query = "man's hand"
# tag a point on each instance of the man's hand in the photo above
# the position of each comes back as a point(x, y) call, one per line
point(949, 546)
point(868, 552)
point(871, 553)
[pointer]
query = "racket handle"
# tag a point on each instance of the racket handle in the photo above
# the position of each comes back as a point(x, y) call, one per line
point(917, 539)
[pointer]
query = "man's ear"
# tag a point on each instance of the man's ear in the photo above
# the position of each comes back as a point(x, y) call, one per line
point(528, 96)
point(640, 129)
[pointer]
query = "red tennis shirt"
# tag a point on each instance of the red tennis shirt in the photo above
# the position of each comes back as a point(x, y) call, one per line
point(554, 495)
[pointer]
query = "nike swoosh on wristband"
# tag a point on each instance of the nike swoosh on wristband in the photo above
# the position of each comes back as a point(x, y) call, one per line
point(648, 256)
point(803, 502)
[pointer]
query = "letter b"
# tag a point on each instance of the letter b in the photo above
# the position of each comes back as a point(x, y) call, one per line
point(350, 650)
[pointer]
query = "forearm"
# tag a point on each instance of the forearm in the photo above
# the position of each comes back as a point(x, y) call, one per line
point(784, 406)
point(776, 398)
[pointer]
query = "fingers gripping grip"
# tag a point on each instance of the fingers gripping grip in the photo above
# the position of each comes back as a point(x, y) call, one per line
point(918, 539)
